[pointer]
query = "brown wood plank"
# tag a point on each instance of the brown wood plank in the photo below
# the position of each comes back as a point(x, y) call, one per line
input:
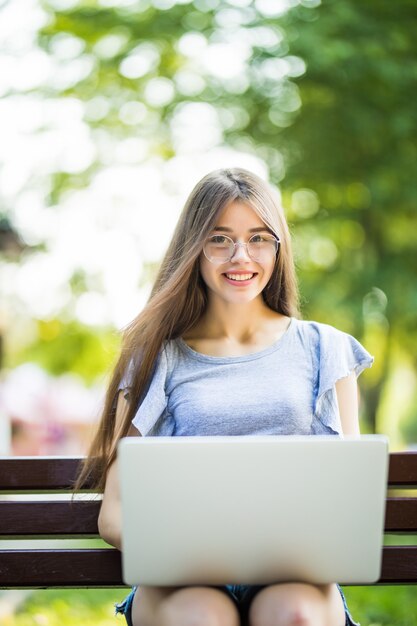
point(401, 515)
point(399, 565)
point(402, 469)
point(80, 517)
point(39, 473)
point(102, 568)
point(60, 568)
point(48, 518)
point(57, 473)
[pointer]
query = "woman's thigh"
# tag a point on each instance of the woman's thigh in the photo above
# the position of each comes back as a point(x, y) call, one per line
point(297, 603)
point(153, 606)
point(146, 602)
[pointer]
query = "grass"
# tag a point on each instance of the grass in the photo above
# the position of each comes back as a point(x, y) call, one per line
point(68, 607)
point(371, 606)
point(384, 605)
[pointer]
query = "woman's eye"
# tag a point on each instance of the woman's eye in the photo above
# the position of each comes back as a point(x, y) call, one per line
point(217, 239)
point(258, 238)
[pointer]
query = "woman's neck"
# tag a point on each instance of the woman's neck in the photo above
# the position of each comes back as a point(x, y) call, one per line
point(239, 323)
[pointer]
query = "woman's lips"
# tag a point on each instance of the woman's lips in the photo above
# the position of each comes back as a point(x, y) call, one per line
point(242, 283)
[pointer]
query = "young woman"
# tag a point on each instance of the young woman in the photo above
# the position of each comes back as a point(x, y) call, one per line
point(219, 349)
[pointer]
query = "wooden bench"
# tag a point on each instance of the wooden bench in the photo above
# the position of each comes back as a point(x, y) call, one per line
point(49, 518)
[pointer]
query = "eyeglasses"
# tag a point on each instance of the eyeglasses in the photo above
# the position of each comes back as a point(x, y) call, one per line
point(260, 247)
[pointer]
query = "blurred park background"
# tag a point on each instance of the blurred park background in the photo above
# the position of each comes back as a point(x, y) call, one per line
point(111, 111)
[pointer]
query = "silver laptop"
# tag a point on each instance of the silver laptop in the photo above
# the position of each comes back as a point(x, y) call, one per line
point(252, 509)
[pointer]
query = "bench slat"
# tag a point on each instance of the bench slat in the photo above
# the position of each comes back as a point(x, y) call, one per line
point(102, 567)
point(40, 474)
point(35, 473)
point(60, 568)
point(402, 469)
point(401, 515)
point(399, 565)
point(63, 518)
point(80, 517)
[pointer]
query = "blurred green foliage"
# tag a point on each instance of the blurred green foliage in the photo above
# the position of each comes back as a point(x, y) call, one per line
point(357, 148)
point(372, 606)
point(68, 346)
point(327, 100)
point(68, 608)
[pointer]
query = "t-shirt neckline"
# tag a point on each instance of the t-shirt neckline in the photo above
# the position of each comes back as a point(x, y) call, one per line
point(238, 358)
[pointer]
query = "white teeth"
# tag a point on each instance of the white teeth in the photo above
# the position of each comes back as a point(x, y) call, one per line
point(238, 277)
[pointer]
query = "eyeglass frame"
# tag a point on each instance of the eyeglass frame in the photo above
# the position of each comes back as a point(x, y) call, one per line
point(237, 244)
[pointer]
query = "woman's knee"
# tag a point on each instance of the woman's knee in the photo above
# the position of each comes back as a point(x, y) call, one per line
point(186, 606)
point(293, 605)
point(146, 602)
point(197, 606)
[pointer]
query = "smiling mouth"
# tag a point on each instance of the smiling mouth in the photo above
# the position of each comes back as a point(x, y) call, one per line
point(240, 278)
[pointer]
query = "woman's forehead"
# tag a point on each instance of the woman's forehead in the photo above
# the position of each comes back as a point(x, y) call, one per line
point(238, 214)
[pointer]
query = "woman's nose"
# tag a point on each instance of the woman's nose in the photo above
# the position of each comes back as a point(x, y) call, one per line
point(240, 252)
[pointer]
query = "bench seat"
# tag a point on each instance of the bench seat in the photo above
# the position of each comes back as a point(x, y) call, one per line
point(49, 517)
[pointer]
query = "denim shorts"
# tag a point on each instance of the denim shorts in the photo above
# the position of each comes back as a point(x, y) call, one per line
point(242, 596)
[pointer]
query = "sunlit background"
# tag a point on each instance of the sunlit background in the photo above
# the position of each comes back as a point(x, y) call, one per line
point(110, 112)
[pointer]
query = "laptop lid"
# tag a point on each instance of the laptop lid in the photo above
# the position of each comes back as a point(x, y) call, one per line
point(252, 509)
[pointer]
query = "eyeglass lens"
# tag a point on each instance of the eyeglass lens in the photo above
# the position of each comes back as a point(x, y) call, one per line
point(220, 248)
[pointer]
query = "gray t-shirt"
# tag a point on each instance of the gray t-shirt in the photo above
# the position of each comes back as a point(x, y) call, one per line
point(285, 389)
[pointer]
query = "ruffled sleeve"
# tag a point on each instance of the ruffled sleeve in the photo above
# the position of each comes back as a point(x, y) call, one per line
point(152, 416)
point(338, 355)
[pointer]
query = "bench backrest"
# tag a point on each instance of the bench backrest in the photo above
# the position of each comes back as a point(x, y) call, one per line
point(47, 517)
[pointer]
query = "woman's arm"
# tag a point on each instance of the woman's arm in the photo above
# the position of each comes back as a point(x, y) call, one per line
point(110, 517)
point(347, 398)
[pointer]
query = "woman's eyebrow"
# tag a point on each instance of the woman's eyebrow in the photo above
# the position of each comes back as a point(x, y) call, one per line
point(258, 229)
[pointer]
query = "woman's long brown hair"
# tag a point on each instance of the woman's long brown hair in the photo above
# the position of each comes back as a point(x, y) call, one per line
point(178, 299)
